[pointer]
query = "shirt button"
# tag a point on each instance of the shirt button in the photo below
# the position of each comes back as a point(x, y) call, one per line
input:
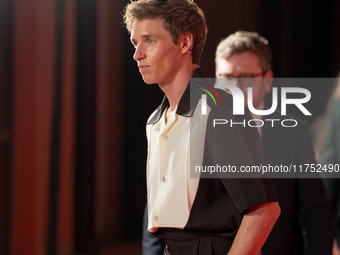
point(165, 137)
point(155, 217)
point(163, 178)
point(157, 128)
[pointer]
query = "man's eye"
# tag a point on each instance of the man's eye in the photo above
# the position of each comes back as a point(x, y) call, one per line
point(150, 41)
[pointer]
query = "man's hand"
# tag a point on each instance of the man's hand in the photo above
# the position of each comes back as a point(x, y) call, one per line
point(255, 228)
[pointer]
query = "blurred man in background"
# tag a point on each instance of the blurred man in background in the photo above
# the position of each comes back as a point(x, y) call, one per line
point(304, 225)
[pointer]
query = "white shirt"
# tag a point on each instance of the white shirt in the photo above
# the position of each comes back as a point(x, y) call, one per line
point(171, 191)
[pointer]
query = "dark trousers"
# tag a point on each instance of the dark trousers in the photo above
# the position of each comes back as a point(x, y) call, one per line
point(184, 242)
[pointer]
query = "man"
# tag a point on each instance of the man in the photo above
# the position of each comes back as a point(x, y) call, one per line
point(193, 215)
point(247, 55)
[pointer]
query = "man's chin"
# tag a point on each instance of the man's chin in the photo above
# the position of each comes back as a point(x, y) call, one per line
point(148, 81)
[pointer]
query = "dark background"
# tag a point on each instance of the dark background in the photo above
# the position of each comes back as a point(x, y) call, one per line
point(98, 165)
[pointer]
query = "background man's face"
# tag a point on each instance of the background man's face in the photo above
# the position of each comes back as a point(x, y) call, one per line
point(243, 64)
point(157, 56)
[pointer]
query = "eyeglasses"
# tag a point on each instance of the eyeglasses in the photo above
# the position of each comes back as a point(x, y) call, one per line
point(245, 79)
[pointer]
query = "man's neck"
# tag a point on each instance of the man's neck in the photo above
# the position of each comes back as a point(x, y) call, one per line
point(176, 88)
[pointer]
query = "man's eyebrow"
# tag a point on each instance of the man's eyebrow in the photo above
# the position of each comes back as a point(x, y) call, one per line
point(147, 36)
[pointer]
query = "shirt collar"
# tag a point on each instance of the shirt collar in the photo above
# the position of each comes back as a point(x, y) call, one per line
point(184, 107)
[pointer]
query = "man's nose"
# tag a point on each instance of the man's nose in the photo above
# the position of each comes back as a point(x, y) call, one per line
point(139, 53)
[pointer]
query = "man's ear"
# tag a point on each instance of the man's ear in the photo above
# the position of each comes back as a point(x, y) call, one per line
point(268, 80)
point(186, 41)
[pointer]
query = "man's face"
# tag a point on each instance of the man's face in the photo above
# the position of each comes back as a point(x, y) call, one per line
point(158, 58)
point(242, 65)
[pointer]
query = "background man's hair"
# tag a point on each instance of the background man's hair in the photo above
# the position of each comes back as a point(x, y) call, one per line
point(242, 41)
point(179, 16)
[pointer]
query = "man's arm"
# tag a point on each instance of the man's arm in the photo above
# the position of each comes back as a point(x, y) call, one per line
point(255, 228)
